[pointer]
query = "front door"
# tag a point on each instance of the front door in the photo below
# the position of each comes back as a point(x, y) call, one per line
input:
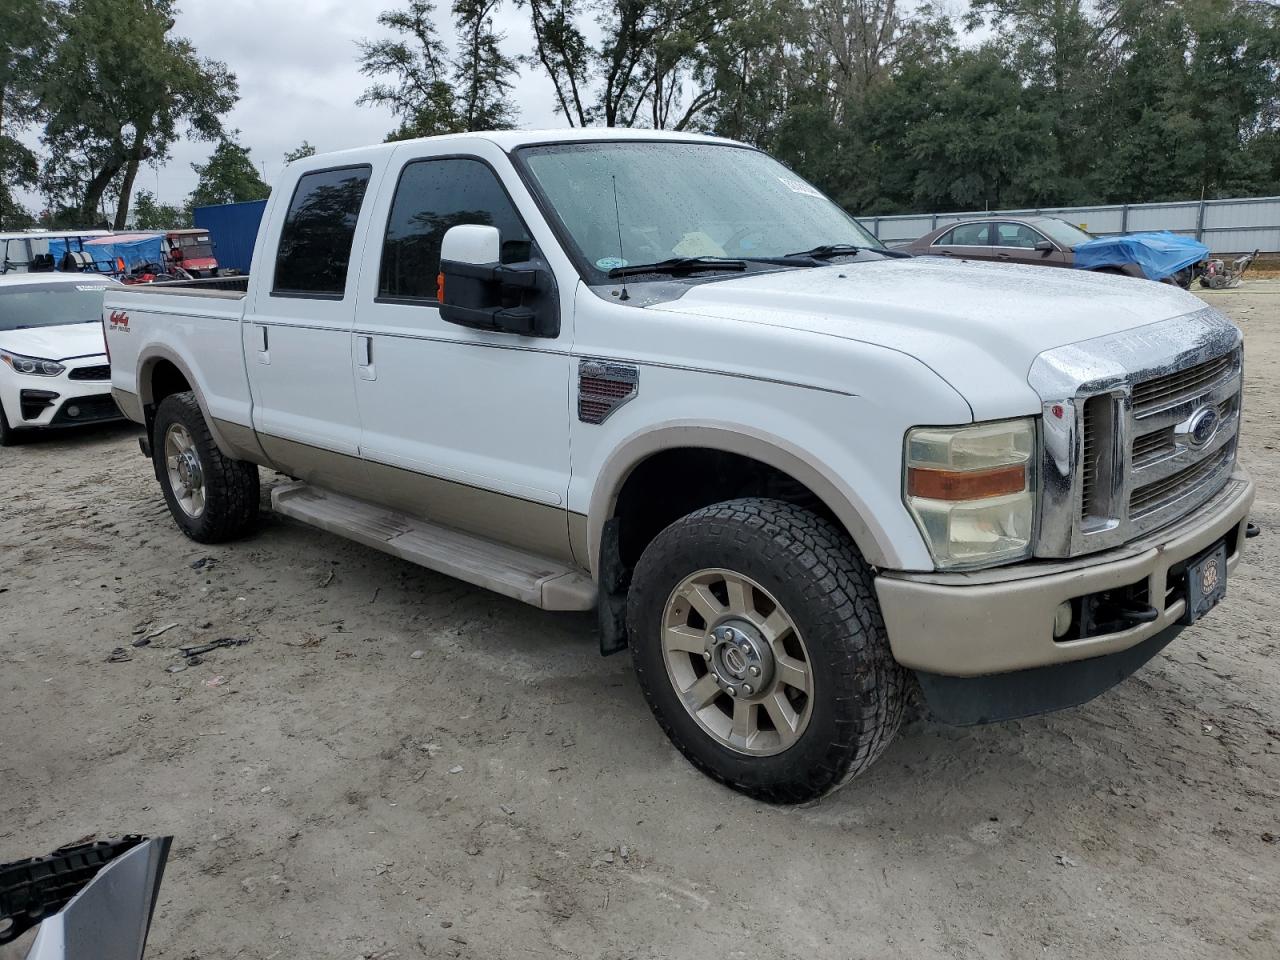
point(1015, 242)
point(467, 428)
point(297, 337)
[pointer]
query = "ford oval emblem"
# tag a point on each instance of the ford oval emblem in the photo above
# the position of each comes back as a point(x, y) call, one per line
point(1202, 426)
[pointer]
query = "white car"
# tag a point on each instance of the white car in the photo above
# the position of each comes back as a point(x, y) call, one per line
point(54, 370)
point(661, 376)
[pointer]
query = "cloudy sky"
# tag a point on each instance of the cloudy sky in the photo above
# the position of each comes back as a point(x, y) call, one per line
point(296, 64)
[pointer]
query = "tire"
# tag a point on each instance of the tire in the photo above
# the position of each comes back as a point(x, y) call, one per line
point(227, 506)
point(794, 563)
point(8, 435)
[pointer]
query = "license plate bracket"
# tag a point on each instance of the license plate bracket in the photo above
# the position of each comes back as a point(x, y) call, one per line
point(1206, 581)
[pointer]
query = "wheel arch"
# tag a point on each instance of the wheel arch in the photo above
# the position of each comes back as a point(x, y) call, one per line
point(161, 372)
point(773, 453)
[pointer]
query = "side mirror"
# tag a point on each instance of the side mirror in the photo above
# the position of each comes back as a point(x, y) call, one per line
point(476, 290)
point(1046, 246)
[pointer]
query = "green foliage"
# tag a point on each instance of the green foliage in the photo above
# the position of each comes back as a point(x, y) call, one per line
point(303, 150)
point(228, 176)
point(26, 36)
point(117, 91)
point(150, 214)
point(427, 92)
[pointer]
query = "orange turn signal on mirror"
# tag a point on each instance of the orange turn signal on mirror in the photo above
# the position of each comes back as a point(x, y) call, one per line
point(440, 286)
point(933, 484)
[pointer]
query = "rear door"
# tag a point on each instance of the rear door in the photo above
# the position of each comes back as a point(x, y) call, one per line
point(297, 337)
point(970, 241)
point(1015, 242)
point(465, 427)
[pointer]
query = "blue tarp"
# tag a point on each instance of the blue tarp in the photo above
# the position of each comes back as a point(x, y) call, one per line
point(134, 249)
point(1158, 254)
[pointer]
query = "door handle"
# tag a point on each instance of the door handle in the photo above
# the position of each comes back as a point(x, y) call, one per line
point(364, 357)
point(264, 344)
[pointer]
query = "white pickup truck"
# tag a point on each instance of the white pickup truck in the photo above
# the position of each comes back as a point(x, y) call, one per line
point(661, 376)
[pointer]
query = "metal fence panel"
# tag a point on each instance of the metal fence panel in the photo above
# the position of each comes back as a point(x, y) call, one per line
point(1226, 226)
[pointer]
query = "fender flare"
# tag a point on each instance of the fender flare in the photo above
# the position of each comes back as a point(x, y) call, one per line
point(850, 509)
point(147, 361)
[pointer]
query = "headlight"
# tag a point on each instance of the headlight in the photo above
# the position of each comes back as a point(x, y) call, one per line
point(31, 366)
point(972, 490)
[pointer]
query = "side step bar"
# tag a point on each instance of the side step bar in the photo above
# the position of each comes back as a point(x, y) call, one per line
point(544, 583)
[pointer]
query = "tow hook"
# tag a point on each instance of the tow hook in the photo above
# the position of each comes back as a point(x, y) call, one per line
point(1251, 530)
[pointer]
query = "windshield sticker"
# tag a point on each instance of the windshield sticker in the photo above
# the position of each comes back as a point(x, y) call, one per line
point(611, 263)
point(799, 186)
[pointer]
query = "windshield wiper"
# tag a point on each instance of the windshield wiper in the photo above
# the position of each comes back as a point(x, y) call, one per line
point(827, 250)
point(676, 265)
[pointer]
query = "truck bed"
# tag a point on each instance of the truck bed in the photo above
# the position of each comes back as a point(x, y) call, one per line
point(193, 325)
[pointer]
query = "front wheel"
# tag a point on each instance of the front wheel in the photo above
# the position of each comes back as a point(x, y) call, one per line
point(212, 497)
point(7, 438)
point(759, 646)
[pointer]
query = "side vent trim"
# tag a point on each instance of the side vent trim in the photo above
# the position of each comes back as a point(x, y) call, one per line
point(603, 387)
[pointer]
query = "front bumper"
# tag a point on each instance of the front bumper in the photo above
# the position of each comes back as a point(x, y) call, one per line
point(1001, 620)
point(32, 403)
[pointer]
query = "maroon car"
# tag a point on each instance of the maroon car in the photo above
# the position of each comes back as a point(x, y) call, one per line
point(1040, 241)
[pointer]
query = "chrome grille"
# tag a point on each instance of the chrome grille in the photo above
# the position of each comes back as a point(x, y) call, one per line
point(1180, 386)
point(1128, 442)
point(1153, 446)
point(1164, 493)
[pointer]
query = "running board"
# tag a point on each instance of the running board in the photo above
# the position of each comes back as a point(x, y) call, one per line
point(513, 573)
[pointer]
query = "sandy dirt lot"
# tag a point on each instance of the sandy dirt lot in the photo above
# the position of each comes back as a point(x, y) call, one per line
point(505, 793)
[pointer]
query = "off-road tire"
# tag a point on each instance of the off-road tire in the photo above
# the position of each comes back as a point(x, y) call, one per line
point(8, 436)
point(231, 487)
point(816, 573)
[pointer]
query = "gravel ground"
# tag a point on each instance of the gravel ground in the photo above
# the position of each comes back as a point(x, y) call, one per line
point(335, 793)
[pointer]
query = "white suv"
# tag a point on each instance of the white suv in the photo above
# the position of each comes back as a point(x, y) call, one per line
point(54, 370)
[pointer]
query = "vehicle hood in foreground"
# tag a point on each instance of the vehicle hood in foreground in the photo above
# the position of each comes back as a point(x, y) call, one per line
point(978, 326)
point(61, 342)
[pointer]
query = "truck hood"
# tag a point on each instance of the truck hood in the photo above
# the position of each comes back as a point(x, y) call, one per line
point(979, 326)
point(60, 342)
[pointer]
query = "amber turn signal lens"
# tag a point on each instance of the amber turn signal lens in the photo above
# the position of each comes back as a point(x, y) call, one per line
point(966, 485)
point(440, 286)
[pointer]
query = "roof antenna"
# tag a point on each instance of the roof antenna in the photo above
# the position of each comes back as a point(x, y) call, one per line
point(622, 261)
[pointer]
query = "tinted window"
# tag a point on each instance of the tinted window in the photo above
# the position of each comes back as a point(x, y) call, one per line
point(432, 196)
point(315, 244)
point(1016, 235)
point(966, 235)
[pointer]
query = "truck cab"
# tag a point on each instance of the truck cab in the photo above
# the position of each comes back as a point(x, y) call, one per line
point(662, 377)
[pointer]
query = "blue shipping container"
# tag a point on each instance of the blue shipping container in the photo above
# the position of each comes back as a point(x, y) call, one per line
point(233, 228)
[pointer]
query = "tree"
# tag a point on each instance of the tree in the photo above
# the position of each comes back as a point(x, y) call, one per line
point(303, 150)
point(118, 91)
point(26, 35)
point(150, 214)
point(483, 74)
point(429, 93)
point(228, 176)
point(419, 93)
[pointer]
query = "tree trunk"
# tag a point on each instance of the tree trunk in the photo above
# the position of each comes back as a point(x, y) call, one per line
point(126, 192)
point(93, 193)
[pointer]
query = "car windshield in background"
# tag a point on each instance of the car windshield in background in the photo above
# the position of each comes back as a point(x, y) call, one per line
point(684, 200)
point(1062, 233)
point(50, 304)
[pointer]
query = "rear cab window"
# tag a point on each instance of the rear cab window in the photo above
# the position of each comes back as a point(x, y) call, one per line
point(318, 233)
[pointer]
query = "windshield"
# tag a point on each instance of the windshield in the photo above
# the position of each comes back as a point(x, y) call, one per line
point(683, 200)
point(50, 304)
point(1062, 233)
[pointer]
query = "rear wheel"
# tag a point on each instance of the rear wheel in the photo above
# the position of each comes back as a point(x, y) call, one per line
point(8, 436)
point(212, 497)
point(759, 646)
